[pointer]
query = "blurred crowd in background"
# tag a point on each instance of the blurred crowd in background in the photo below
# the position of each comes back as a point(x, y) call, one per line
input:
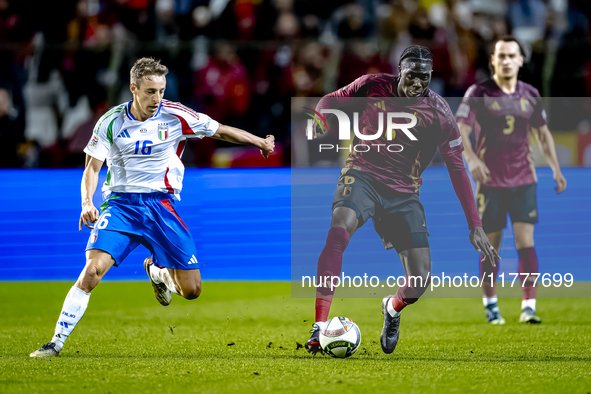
point(63, 64)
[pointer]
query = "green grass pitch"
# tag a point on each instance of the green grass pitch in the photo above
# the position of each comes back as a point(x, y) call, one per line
point(244, 337)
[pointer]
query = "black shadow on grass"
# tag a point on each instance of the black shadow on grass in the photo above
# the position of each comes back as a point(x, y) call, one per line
point(363, 358)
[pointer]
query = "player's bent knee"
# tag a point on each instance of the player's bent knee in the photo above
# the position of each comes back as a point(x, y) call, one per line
point(192, 293)
point(346, 218)
point(524, 242)
point(90, 278)
point(97, 265)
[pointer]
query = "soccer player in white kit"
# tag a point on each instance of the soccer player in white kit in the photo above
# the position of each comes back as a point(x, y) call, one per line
point(142, 141)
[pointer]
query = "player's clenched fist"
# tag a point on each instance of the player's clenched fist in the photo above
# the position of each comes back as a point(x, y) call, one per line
point(560, 182)
point(88, 215)
point(268, 146)
point(317, 129)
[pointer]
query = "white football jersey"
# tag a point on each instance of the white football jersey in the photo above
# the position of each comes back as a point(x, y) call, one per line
point(145, 157)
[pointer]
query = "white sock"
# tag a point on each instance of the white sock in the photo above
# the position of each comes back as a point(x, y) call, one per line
point(161, 275)
point(321, 325)
point(72, 311)
point(154, 274)
point(489, 300)
point(391, 310)
point(528, 303)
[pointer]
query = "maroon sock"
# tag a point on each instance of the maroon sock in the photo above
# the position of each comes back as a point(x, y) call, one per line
point(410, 293)
point(329, 264)
point(528, 263)
point(397, 302)
point(486, 268)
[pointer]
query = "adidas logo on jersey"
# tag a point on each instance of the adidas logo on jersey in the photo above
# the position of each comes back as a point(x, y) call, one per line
point(380, 104)
point(193, 260)
point(124, 134)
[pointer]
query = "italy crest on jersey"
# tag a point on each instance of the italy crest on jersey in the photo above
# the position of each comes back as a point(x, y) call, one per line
point(163, 131)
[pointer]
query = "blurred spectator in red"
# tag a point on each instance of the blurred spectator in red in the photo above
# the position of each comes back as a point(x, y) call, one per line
point(221, 88)
point(360, 58)
point(238, 20)
point(269, 112)
point(246, 11)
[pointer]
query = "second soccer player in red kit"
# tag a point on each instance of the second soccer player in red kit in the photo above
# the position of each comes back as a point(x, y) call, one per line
point(384, 185)
point(507, 110)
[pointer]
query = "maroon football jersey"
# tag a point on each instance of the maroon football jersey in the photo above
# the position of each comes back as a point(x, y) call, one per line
point(399, 169)
point(505, 120)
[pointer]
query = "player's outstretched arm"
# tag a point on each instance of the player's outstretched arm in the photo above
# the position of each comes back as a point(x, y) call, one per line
point(549, 151)
point(89, 213)
point(477, 168)
point(238, 136)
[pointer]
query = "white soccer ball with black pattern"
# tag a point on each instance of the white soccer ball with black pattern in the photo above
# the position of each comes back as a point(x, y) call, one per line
point(340, 338)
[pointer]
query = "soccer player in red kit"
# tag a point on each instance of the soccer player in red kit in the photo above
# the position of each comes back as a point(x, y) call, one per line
point(507, 110)
point(384, 186)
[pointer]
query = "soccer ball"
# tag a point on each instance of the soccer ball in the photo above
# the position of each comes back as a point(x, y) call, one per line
point(340, 338)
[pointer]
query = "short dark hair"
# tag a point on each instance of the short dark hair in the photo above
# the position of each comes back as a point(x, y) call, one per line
point(507, 39)
point(416, 52)
point(144, 67)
